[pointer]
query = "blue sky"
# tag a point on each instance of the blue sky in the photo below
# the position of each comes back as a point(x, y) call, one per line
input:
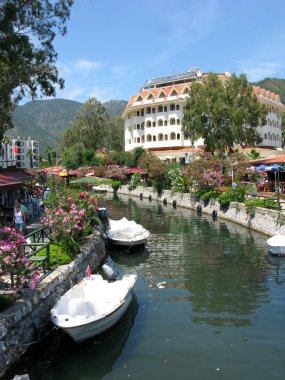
point(112, 47)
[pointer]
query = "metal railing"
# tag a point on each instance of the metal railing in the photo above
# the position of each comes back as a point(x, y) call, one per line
point(37, 241)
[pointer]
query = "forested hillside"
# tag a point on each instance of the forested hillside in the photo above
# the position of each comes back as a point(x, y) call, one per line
point(275, 85)
point(45, 120)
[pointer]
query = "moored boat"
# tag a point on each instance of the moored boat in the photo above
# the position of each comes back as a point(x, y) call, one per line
point(126, 232)
point(93, 306)
point(276, 245)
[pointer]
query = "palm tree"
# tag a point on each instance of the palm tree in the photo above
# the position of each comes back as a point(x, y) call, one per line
point(51, 153)
point(5, 141)
point(30, 154)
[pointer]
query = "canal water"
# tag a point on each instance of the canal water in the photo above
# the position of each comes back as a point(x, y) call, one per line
point(210, 304)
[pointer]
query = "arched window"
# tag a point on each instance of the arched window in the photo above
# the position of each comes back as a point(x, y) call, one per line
point(160, 109)
point(153, 124)
point(165, 109)
point(177, 107)
point(178, 121)
point(172, 136)
point(148, 138)
point(148, 110)
point(160, 137)
point(153, 110)
point(138, 140)
point(148, 124)
point(160, 122)
point(265, 136)
point(165, 137)
point(172, 107)
point(153, 138)
point(178, 136)
point(138, 126)
point(165, 123)
point(142, 125)
point(143, 139)
point(172, 121)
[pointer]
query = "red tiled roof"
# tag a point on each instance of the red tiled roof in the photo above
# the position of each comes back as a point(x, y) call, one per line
point(10, 179)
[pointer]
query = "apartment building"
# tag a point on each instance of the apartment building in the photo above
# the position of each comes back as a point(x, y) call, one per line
point(153, 117)
point(21, 153)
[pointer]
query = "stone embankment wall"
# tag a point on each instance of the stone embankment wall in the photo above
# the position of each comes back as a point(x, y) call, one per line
point(25, 321)
point(269, 222)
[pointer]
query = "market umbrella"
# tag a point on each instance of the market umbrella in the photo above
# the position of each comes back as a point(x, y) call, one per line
point(273, 167)
point(261, 167)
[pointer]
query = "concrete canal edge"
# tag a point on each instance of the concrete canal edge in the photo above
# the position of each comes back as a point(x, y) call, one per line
point(269, 222)
point(25, 322)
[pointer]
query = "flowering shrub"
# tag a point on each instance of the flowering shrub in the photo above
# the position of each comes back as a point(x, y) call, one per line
point(13, 262)
point(210, 179)
point(176, 179)
point(68, 214)
point(117, 172)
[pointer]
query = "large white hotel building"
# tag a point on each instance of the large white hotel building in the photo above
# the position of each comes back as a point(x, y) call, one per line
point(153, 117)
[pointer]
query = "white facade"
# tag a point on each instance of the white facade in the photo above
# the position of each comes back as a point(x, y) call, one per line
point(153, 118)
point(21, 153)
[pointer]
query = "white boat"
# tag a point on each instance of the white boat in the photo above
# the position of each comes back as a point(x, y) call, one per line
point(93, 306)
point(276, 245)
point(126, 232)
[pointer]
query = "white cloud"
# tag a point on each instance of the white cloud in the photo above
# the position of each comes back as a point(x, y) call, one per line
point(83, 64)
point(256, 71)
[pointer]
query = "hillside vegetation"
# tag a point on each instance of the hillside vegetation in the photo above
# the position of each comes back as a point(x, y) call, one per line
point(275, 85)
point(45, 120)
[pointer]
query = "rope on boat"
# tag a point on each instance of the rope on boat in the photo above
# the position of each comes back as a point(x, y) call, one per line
point(42, 337)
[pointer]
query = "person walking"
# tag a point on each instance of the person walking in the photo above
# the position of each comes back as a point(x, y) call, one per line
point(19, 218)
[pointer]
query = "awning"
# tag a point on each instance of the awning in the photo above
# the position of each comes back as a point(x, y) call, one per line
point(11, 179)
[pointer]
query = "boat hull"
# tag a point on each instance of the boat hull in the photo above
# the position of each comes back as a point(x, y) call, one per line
point(276, 245)
point(81, 333)
point(126, 243)
point(93, 306)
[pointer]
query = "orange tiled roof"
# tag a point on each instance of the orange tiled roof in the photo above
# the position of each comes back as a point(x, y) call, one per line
point(181, 89)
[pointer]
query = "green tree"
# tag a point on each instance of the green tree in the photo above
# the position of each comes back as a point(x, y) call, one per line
point(27, 59)
point(74, 156)
point(223, 114)
point(90, 127)
point(51, 153)
point(115, 136)
point(5, 141)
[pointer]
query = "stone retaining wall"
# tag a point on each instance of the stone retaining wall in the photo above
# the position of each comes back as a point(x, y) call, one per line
point(25, 321)
point(263, 220)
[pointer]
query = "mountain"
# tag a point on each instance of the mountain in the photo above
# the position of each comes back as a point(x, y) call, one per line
point(45, 120)
point(275, 85)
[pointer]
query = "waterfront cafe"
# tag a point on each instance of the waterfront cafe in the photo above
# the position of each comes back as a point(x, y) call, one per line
point(274, 167)
point(14, 183)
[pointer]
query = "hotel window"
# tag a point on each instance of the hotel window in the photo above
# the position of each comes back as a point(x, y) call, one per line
point(172, 136)
point(165, 137)
point(153, 124)
point(172, 121)
point(148, 124)
point(178, 121)
point(142, 125)
point(142, 112)
point(160, 137)
point(138, 126)
point(172, 107)
point(177, 107)
point(164, 109)
point(153, 110)
point(265, 136)
point(138, 113)
point(138, 140)
point(148, 110)
point(148, 138)
point(160, 109)
point(178, 136)
point(160, 122)
point(165, 123)
point(153, 138)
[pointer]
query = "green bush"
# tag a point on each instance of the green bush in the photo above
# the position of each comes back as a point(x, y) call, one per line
point(212, 194)
point(61, 253)
point(116, 185)
point(225, 199)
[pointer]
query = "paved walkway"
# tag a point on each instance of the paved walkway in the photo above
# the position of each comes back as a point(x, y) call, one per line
point(34, 224)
